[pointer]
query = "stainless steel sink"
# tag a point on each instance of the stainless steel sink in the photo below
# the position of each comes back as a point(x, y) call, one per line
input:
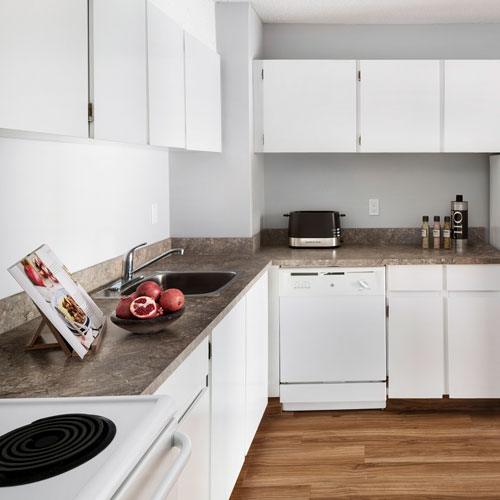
point(190, 283)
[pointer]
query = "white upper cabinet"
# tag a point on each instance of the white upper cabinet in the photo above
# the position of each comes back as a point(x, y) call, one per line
point(472, 101)
point(167, 119)
point(120, 75)
point(203, 96)
point(400, 106)
point(44, 61)
point(307, 106)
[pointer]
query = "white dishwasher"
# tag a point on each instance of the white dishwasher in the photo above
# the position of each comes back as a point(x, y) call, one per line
point(332, 338)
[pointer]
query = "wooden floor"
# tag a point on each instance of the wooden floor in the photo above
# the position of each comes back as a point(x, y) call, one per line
point(422, 450)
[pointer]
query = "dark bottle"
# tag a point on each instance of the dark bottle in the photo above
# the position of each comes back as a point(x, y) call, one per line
point(460, 222)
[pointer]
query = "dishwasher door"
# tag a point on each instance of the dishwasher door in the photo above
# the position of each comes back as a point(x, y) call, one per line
point(332, 326)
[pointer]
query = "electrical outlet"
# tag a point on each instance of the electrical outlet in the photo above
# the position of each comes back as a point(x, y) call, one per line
point(154, 214)
point(373, 206)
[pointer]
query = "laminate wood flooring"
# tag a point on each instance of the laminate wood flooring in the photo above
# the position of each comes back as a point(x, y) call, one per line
point(414, 449)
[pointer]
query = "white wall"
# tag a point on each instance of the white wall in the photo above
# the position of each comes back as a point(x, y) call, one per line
point(211, 193)
point(408, 186)
point(89, 202)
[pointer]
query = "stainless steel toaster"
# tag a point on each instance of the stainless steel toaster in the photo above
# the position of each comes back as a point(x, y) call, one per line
point(314, 229)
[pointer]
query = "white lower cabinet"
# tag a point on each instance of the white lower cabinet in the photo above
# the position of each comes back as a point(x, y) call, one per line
point(416, 345)
point(415, 330)
point(187, 386)
point(228, 402)
point(257, 339)
point(194, 482)
point(443, 331)
point(239, 385)
point(473, 331)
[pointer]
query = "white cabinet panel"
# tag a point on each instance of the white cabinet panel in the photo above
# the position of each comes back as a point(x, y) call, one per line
point(416, 345)
point(203, 96)
point(472, 98)
point(257, 339)
point(400, 106)
point(419, 278)
point(44, 61)
point(480, 278)
point(228, 402)
point(309, 106)
point(194, 482)
point(120, 67)
point(167, 119)
point(474, 344)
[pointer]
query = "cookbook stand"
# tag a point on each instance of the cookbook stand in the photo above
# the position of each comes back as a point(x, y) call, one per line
point(38, 342)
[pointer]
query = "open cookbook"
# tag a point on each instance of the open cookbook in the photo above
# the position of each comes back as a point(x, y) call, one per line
point(63, 301)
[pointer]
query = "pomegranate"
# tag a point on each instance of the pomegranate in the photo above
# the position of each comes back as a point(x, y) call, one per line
point(32, 274)
point(149, 289)
point(144, 308)
point(123, 308)
point(172, 300)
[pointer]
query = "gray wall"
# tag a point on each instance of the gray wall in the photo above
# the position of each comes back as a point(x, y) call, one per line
point(407, 185)
point(213, 194)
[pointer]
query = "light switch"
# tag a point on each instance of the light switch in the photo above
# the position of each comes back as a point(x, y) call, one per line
point(373, 206)
point(154, 214)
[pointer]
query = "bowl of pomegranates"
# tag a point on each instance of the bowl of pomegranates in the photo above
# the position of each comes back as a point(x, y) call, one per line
point(149, 309)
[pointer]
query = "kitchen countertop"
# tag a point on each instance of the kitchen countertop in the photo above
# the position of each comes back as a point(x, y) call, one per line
point(129, 364)
point(359, 255)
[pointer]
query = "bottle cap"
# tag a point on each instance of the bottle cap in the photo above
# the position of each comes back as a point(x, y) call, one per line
point(425, 218)
point(437, 218)
point(460, 197)
point(447, 218)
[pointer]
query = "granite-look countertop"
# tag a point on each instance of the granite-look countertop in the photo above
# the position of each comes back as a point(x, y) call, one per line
point(373, 256)
point(126, 363)
point(129, 364)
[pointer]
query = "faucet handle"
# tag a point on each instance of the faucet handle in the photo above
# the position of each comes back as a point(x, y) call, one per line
point(133, 249)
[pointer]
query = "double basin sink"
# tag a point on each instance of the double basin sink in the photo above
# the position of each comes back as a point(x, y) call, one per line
point(190, 283)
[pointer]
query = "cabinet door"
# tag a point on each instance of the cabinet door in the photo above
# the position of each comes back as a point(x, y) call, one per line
point(203, 96)
point(228, 402)
point(120, 67)
point(167, 117)
point(472, 97)
point(309, 106)
point(257, 339)
point(194, 482)
point(400, 106)
point(416, 345)
point(44, 61)
point(474, 344)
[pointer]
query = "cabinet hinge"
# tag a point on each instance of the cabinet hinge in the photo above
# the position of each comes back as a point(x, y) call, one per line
point(359, 76)
point(90, 112)
point(262, 74)
point(262, 139)
point(210, 350)
point(359, 140)
point(387, 311)
point(206, 381)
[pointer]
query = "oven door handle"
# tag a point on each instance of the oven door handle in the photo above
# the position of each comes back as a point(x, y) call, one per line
point(169, 438)
point(181, 441)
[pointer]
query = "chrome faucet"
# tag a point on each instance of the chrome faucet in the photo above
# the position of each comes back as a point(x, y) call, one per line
point(128, 263)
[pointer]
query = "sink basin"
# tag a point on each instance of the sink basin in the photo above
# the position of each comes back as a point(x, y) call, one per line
point(190, 283)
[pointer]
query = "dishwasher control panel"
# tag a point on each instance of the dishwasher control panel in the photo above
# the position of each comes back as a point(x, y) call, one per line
point(332, 281)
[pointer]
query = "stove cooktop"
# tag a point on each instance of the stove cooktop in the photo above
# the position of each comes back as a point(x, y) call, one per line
point(53, 445)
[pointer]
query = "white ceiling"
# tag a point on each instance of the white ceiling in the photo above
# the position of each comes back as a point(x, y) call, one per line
point(377, 11)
